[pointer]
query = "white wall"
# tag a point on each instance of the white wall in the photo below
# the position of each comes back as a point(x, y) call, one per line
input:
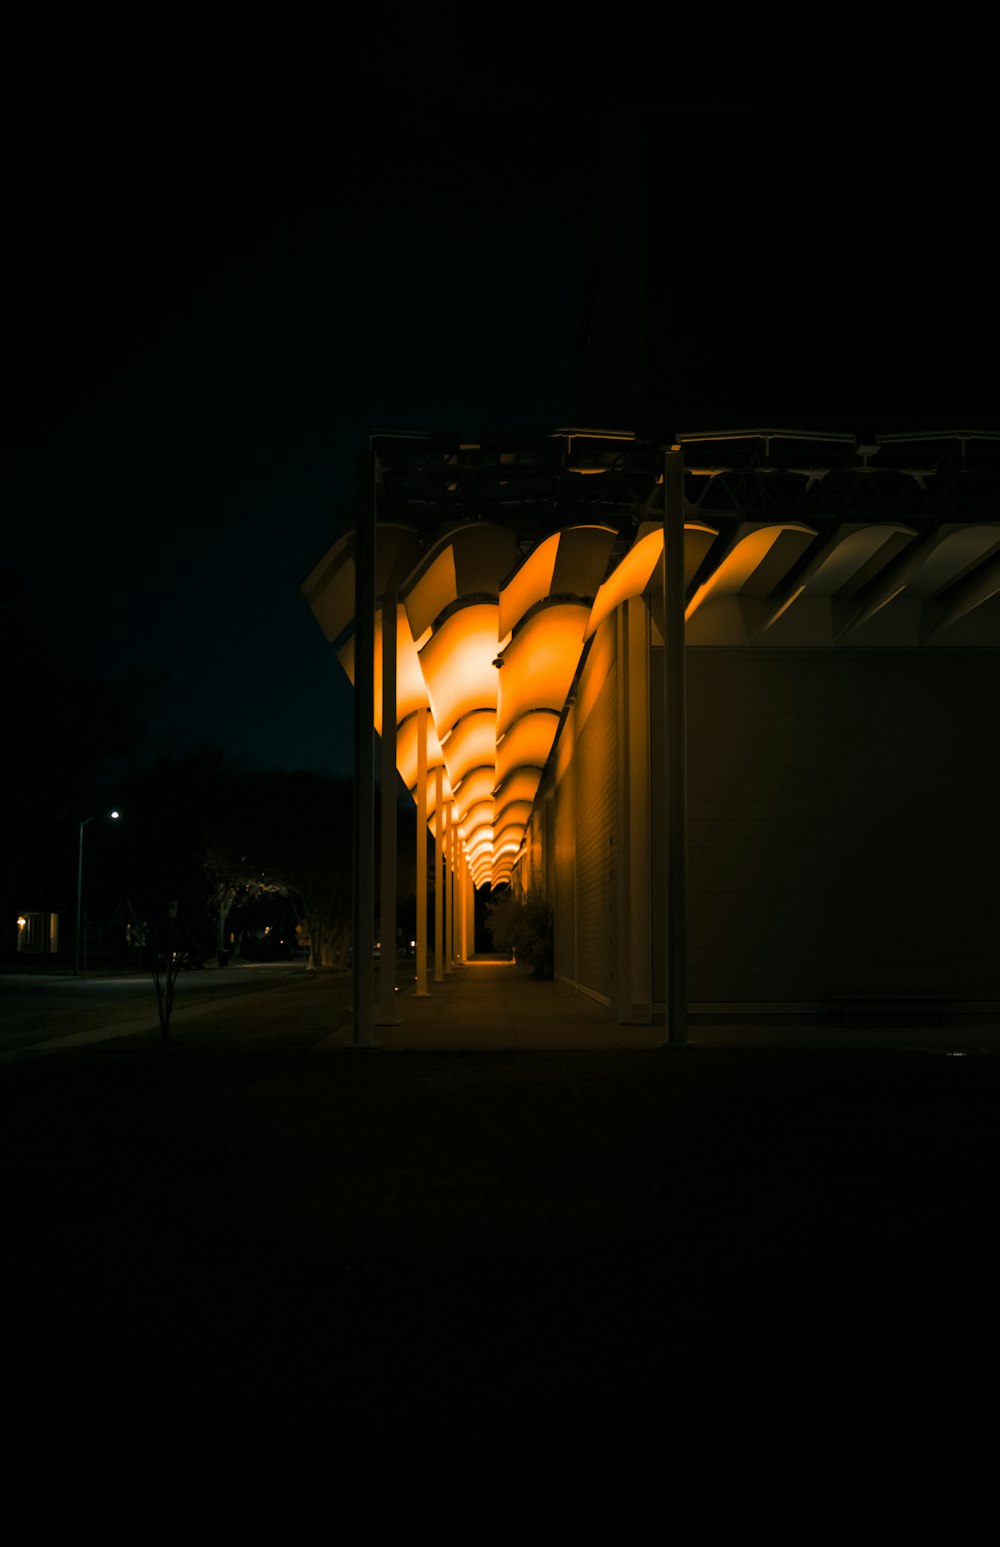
point(844, 812)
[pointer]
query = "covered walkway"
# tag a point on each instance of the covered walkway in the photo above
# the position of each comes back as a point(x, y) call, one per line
point(488, 1005)
point(516, 614)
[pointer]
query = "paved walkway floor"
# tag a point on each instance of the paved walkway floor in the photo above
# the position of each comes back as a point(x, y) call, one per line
point(490, 1006)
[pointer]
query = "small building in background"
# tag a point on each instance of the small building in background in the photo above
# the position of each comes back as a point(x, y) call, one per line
point(37, 934)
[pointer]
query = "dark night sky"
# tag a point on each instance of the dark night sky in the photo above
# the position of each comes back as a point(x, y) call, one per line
point(232, 255)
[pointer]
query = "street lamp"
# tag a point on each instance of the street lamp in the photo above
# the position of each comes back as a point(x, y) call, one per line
point(112, 816)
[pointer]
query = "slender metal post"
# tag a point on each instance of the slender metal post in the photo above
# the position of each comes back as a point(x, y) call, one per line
point(387, 880)
point(675, 749)
point(364, 749)
point(438, 877)
point(454, 887)
point(470, 914)
point(463, 886)
point(421, 989)
point(448, 917)
point(460, 893)
point(79, 897)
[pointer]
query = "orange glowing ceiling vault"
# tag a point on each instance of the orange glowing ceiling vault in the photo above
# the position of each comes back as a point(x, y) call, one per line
point(489, 639)
point(489, 642)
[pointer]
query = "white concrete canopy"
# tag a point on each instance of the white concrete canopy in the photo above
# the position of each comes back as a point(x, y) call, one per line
point(490, 642)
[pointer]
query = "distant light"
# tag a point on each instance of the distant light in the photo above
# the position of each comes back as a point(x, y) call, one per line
point(114, 815)
point(21, 921)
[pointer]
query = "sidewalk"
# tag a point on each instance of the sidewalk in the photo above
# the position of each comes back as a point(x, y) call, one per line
point(492, 1006)
point(495, 1006)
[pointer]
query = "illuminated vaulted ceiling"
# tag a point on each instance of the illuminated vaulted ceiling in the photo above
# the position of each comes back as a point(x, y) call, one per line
point(488, 642)
point(489, 639)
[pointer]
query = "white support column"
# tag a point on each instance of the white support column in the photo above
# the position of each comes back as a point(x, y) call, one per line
point(640, 852)
point(675, 751)
point(386, 1013)
point(363, 859)
point(421, 988)
point(470, 915)
point(456, 896)
point(633, 935)
point(449, 916)
point(438, 876)
point(623, 880)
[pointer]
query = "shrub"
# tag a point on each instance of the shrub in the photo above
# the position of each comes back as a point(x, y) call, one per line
point(524, 926)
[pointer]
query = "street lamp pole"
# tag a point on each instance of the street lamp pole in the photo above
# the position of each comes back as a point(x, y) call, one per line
point(114, 815)
point(79, 894)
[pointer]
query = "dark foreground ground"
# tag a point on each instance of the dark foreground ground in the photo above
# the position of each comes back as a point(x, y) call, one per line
point(499, 1297)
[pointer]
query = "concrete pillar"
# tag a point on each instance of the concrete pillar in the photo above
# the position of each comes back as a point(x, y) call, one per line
point(463, 886)
point(633, 937)
point(421, 964)
point(675, 750)
point(438, 875)
point(449, 915)
point(470, 915)
point(455, 899)
point(386, 1015)
point(363, 857)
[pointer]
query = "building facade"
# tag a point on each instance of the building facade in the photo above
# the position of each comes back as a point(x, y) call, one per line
point(841, 666)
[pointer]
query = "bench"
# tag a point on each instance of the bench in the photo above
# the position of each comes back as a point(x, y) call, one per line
point(864, 992)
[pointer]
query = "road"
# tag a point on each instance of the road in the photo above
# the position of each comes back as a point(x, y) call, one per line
point(37, 1009)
